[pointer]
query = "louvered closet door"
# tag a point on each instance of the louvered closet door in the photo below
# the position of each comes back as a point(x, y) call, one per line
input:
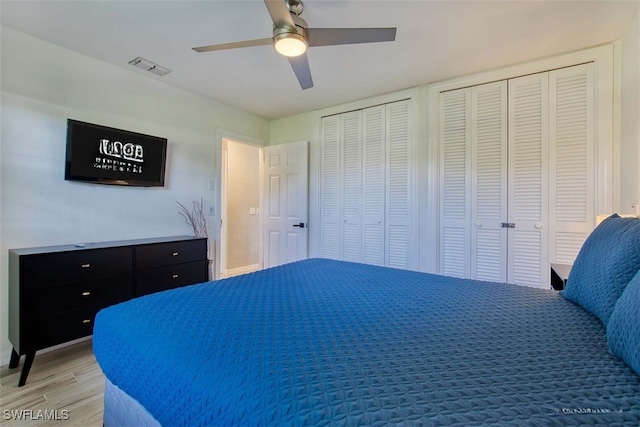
point(331, 184)
point(572, 175)
point(351, 194)
point(528, 181)
point(489, 182)
point(367, 186)
point(373, 184)
point(401, 235)
point(455, 178)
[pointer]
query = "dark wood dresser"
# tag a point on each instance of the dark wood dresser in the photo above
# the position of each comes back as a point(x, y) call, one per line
point(56, 291)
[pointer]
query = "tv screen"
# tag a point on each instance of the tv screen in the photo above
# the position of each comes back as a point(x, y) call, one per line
point(105, 155)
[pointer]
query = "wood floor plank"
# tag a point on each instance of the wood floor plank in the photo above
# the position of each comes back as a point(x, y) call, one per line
point(75, 393)
point(40, 387)
point(65, 388)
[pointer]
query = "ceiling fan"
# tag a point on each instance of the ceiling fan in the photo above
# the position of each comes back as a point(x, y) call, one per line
point(292, 37)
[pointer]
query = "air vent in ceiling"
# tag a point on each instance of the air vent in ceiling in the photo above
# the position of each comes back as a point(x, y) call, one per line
point(149, 66)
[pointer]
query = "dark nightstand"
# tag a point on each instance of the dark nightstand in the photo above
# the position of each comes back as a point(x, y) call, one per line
point(559, 276)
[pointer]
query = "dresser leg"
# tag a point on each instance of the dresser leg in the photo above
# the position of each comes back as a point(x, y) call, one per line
point(25, 369)
point(15, 359)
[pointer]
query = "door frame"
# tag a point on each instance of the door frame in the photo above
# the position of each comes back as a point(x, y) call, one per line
point(216, 187)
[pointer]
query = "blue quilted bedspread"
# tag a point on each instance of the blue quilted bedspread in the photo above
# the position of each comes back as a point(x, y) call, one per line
point(321, 342)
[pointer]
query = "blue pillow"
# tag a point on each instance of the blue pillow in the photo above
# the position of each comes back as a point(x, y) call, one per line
point(606, 263)
point(623, 330)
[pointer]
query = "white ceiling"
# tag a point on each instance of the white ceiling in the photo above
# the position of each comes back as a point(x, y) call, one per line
point(435, 40)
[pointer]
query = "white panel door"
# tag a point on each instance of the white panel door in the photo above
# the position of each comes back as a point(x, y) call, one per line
point(572, 162)
point(455, 179)
point(330, 184)
point(489, 182)
point(528, 180)
point(373, 184)
point(286, 203)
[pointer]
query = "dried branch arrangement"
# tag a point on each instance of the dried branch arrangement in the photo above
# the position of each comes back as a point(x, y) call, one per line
point(195, 217)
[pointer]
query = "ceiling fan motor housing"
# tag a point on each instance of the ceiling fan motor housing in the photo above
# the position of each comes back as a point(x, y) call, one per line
point(295, 6)
point(300, 27)
point(290, 35)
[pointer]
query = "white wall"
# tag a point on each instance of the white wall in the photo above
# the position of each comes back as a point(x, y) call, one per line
point(630, 119)
point(43, 85)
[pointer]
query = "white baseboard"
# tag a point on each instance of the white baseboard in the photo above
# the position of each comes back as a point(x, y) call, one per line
point(5, 357)
point(240, 270)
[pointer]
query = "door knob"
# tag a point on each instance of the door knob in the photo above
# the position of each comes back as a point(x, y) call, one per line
point(300, 225)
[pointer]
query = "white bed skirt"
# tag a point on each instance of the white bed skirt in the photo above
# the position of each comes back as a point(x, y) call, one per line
point(122, 410)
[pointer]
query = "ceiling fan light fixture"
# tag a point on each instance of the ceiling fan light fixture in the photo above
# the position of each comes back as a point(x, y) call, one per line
point(290, 44)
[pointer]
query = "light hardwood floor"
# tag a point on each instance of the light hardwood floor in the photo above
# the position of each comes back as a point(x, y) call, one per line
point(64, 383)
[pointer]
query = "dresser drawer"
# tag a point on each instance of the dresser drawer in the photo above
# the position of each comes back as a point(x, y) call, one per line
point(162, 254)
point(52, 330)
point(50, 269)
point(103, 291)
point(163, 278)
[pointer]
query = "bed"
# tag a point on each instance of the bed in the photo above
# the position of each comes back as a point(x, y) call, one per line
point(326, 342)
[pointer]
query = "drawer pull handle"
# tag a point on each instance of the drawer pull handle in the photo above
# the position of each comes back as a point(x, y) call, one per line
point(86, 293)
point(87, 265)
point(85, 321)
point(175, 276)
point(175, 254)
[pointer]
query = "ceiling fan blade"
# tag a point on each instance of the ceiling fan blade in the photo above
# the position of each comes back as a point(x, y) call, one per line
point(234, 45)
point(280, 14)
point(336, 36)
point(300, 65)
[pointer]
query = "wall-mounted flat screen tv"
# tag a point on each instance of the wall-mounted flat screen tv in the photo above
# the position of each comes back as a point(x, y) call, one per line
point(105, 155)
